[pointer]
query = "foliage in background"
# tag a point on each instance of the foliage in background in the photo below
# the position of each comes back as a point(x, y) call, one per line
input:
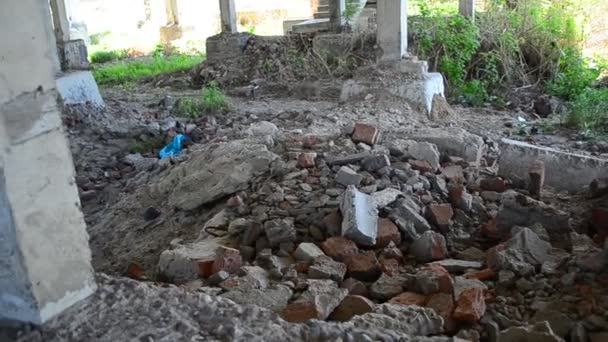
point(134, 70)
point(102, 56)
point(211, 101)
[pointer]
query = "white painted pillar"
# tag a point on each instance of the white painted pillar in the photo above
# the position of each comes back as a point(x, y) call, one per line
point(392, 29)
point(61, 21)
point(228, 14)
point(466, 8)
point(337, 8)
point(172, 12)
point(45, 260)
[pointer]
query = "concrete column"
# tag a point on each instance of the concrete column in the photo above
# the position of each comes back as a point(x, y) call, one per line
point(392, 29)
point(337, 8)
point(61, 21)
point(466, 8)
point(172, 12)
point(228, 14)
point(45, 260)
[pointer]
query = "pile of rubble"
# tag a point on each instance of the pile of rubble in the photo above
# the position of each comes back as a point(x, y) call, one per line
point(417, 234)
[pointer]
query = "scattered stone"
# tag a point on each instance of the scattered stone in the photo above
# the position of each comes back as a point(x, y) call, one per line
point(409, 319)
point(364, 266)
point(496, 184)
point(317, 302)
point(375, 163)
point(307, 252)
point(307, 160)
point(333, 223)
point(355, 287)
point(453, 142)
point(385, 197)
point(409, 298)
point(227, 259)
point(490, 196)
point(409, 213)
point(151, 213)
point(347, 176)
point(539, 332)
point(430, 246)
point(280, 230)
point(387, 287)
point(471, 254)
point(350, 307)
point(560, 323)
point(441, 216)
point(462, 284)
point(339, 248)
point(425, 151)
point(521, 254)
point(459, 266)
point(470, 305)
point(181, 264)
point(365, 133)
point(454, 174)
point(599, 187)
point(274, 298)
point(387, 233)
point(520, 210)
point(460, 198)
point(421, 165)
point(349, 159)
point(443, 305)
point(359, 217)
point(537, 178)
point(325, 267)
point(217, 278)
point(433, 279)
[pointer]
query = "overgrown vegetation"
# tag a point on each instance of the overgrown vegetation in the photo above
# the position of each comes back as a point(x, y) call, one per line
point(211, 101)
point(134, 70)
point(524, 44)
point(99, 57)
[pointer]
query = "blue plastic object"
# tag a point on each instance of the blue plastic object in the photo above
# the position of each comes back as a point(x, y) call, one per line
point(174, 149)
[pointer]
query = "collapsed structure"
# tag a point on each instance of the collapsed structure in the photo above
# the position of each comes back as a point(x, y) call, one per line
point(282, 218)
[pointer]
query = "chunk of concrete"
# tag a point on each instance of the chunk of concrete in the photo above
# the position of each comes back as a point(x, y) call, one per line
point(347, 176)
point(410, 319)
point(385, 197)
point(453, 142)
point(522, 254)
point(519, 210)
point(79, 87)
point(425, 151)
point(407, 211)
point(539, 332)
point(429, 247)
point(274, 298)
point(307, 252)
point(359, 217)
point(563, 171)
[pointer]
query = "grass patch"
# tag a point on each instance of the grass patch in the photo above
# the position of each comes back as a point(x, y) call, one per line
point(129, 71)
point(589, 111)
point(102, 56)
point(211, 101)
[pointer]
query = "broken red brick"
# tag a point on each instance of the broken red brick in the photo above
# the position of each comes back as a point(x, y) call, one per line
point(482, 275)
point(421, 165)
point(355, 287)
point(599, 220)
point(309, 141)
point(350, 307)
point(227, 259)
point(441, 215)
point(492, 255)
point(409, 298)
point(471, 305)
point(364, 266)
point(302, 266)
point(365, 133)
point(490, 229)
point(339, 248)
point(392, 252)
point(453, 173)
point(205, 268)
point(387, 232)
point(301, 311)
point(235, 202)
point(446, 283)
point(496, 184)
point(333, 221)
point(537, 178)
point(135, 271)
point(389, 266)
point(306, 160)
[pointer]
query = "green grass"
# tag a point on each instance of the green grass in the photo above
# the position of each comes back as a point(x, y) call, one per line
point(211, 101)
point(589, 111)
point(129, 71)
point(103, 56)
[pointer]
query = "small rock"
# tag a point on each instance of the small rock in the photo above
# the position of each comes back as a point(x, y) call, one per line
point(441, 216)
point(385, 197)
point(355, 287)
point(496, 184)
point(359, 217)
point(365, 133)
point(521, 254)
point(151, 213)
point(387, 287)
point(421, 165)
point(375, 163)
point(325, 267)
point(425, 151)
point(347, 176)
point(460, 198)
point(364, 266)
point(280, 230)
point(459, 266)
point(307, 160)
point(409, 298)
point(430, 246)
point(352, 306)
point(307, 252)
point(339, 248)
point(443, 305)
point(470, 305)
point(387, 233)
point(432, 279)
point(227, 259)
point(539, 332)
point(454, 174)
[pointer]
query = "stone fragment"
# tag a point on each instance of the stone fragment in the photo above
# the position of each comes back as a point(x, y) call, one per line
point(432, 279)
point(425, 151)
point(387, 287)
point(274, 298)
point(462, 284)
point(459, 266)
point(359, 217)
point(519, 210)
point(389, 266)
point(349, 159)
point(391, 251)
point(307, 160)
point(409, 298)
point(364, 266)
point(385, 197)
point(387, 233)
point(307, 252)
point(325, 267)
point(539, 332)
point(217, 278)
point(441, 216)
point(453, 173)
point(421, 165)
point(496, 184)
point(409, 319)
point(522, 254)
point(470, 305)
point(181, 264)
point(599, 187)
point(430, 246)
point(227, 259)
point(443, 305)
point(537, 178)
point(460, 198)
point(560, 323)
point(453, 142)
point(406, 211)
point(375, 162)
point(347, 176)
point(365, 133)
point(280, 230)
point(355, 287)
point(352, 306)
point(333, 223)
point(339, 248)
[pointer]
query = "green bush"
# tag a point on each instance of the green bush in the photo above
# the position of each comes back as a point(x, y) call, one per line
point(99, 57)
point(211, 101)
point(574, 75)
point(589, 111)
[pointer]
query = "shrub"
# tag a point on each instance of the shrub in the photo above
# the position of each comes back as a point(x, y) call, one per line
point(589, 111)
point(99, 57)
point(211, 101)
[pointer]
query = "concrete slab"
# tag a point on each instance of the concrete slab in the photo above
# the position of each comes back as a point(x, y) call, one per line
point(79, 88)
point(563, 171)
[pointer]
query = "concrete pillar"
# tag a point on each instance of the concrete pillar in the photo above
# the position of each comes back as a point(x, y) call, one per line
point(392, 29)
point(172, 12)
point(45, 260)
point(337, 8)
point(466, 8)
point(228, 15)
point(61, 21)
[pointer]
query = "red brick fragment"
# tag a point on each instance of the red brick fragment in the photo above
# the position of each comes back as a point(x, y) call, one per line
point(365, 133)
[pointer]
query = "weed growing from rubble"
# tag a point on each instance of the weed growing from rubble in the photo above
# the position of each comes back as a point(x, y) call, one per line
point(211, 101)
point(135, 70)
point(99, 57)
